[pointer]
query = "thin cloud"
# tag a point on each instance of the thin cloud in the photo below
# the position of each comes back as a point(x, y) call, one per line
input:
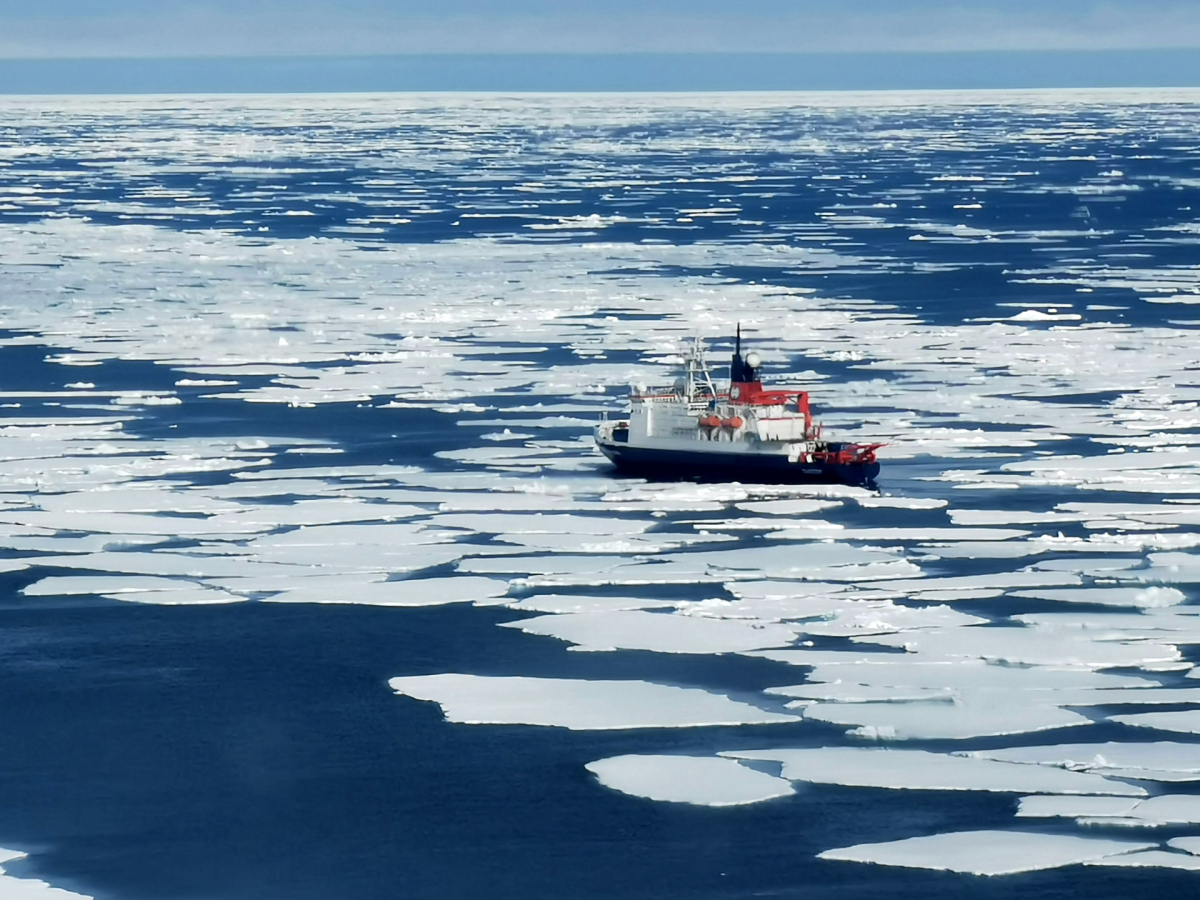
point(139, 29)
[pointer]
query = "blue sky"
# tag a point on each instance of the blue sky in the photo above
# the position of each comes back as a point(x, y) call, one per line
point(68, 45)
point(190, 28)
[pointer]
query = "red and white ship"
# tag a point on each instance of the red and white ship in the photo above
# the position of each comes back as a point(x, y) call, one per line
point(744, 433)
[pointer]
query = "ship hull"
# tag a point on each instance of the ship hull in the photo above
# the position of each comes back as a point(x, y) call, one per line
point(673, 464)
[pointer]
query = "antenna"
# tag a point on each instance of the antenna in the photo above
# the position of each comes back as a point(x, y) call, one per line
point(738, 346)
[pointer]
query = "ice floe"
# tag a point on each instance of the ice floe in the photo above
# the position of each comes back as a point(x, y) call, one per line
point(922, 770)
point(15, 888)
point(1148, 761)
point(578, 704)
point(1184, 721)
point(657, 631)
point(987, 852)
point(700, 780)
point(406, 592)
point(1144, 598)
point(1160, 859)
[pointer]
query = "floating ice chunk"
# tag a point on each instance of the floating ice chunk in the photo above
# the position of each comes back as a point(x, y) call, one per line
point(866, 617)
point(132, 523)
point(839, 692)
point(1165, 809)
point(798, 560)
point(1186, 721)
point(806, 657)
point(659, 632)
point(14, 888)
point(405, 556)
point(516, 564)
point(978, 716)
point(320, 513)
point(1158, 761)
point(811, 528)
point(390, 534)
point(769, 610)
point(901, 503)
point(950, 596)
point(921, 770)
point(633, 544)
point(778, 601)
point(540, 523)
point(134, 498)
point(781, 590)
point(1144, 598)
point(196, 596)
point(58, 585)
point(911, 534)
point(87, 543)
point(409, 592)
point(165, 563)
point(579, 603)
point(793, 507)
point(1186, 844)
point(1011, 517)
point(578, 704)
point(1032, 647)
point(1041, 806)
point(1003, 580)
point(1159, 859)
point(1180, 625)
point(1096, 566)
point(983, 549)
point(1173, 567)
point(986, 852)
point(703, 781)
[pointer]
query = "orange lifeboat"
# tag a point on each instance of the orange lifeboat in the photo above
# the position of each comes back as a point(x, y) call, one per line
point(733, 424)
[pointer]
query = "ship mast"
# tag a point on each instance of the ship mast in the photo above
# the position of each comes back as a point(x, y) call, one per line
point(697, 372)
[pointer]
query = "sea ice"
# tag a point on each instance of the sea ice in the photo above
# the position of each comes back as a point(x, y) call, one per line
point(407, 592)
point(794, 507)
point(977, 716)
point(881, 502)
point(1144, 597)
point(580, 603)
point(986, 852)
point(14, 888)
point(1040, 806)
point(540, 523)
point(198, 596)
point(1186, 844)
point(1186, 721)
point(1159, 859)
point(657, 631)
point(1031, 647)
point(925, 771)
point(1151, 761)
point(701, 780)
point(578, 704)
point(57, 585)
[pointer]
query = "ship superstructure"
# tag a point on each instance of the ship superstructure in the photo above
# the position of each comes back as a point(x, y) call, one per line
point(746, 432)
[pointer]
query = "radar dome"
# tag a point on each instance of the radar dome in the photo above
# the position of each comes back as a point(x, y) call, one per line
point(753, 360)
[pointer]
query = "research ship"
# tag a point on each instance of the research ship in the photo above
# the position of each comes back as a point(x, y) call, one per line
point(745, 433)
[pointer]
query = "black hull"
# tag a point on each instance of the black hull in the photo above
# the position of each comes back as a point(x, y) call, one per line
point(674, 465)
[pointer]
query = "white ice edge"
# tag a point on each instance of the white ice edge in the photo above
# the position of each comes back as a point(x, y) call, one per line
point(702, 781)
point(577, 704)
point(986, 852)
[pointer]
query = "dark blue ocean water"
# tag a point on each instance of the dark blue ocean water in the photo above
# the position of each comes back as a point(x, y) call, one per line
point(255, 751)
